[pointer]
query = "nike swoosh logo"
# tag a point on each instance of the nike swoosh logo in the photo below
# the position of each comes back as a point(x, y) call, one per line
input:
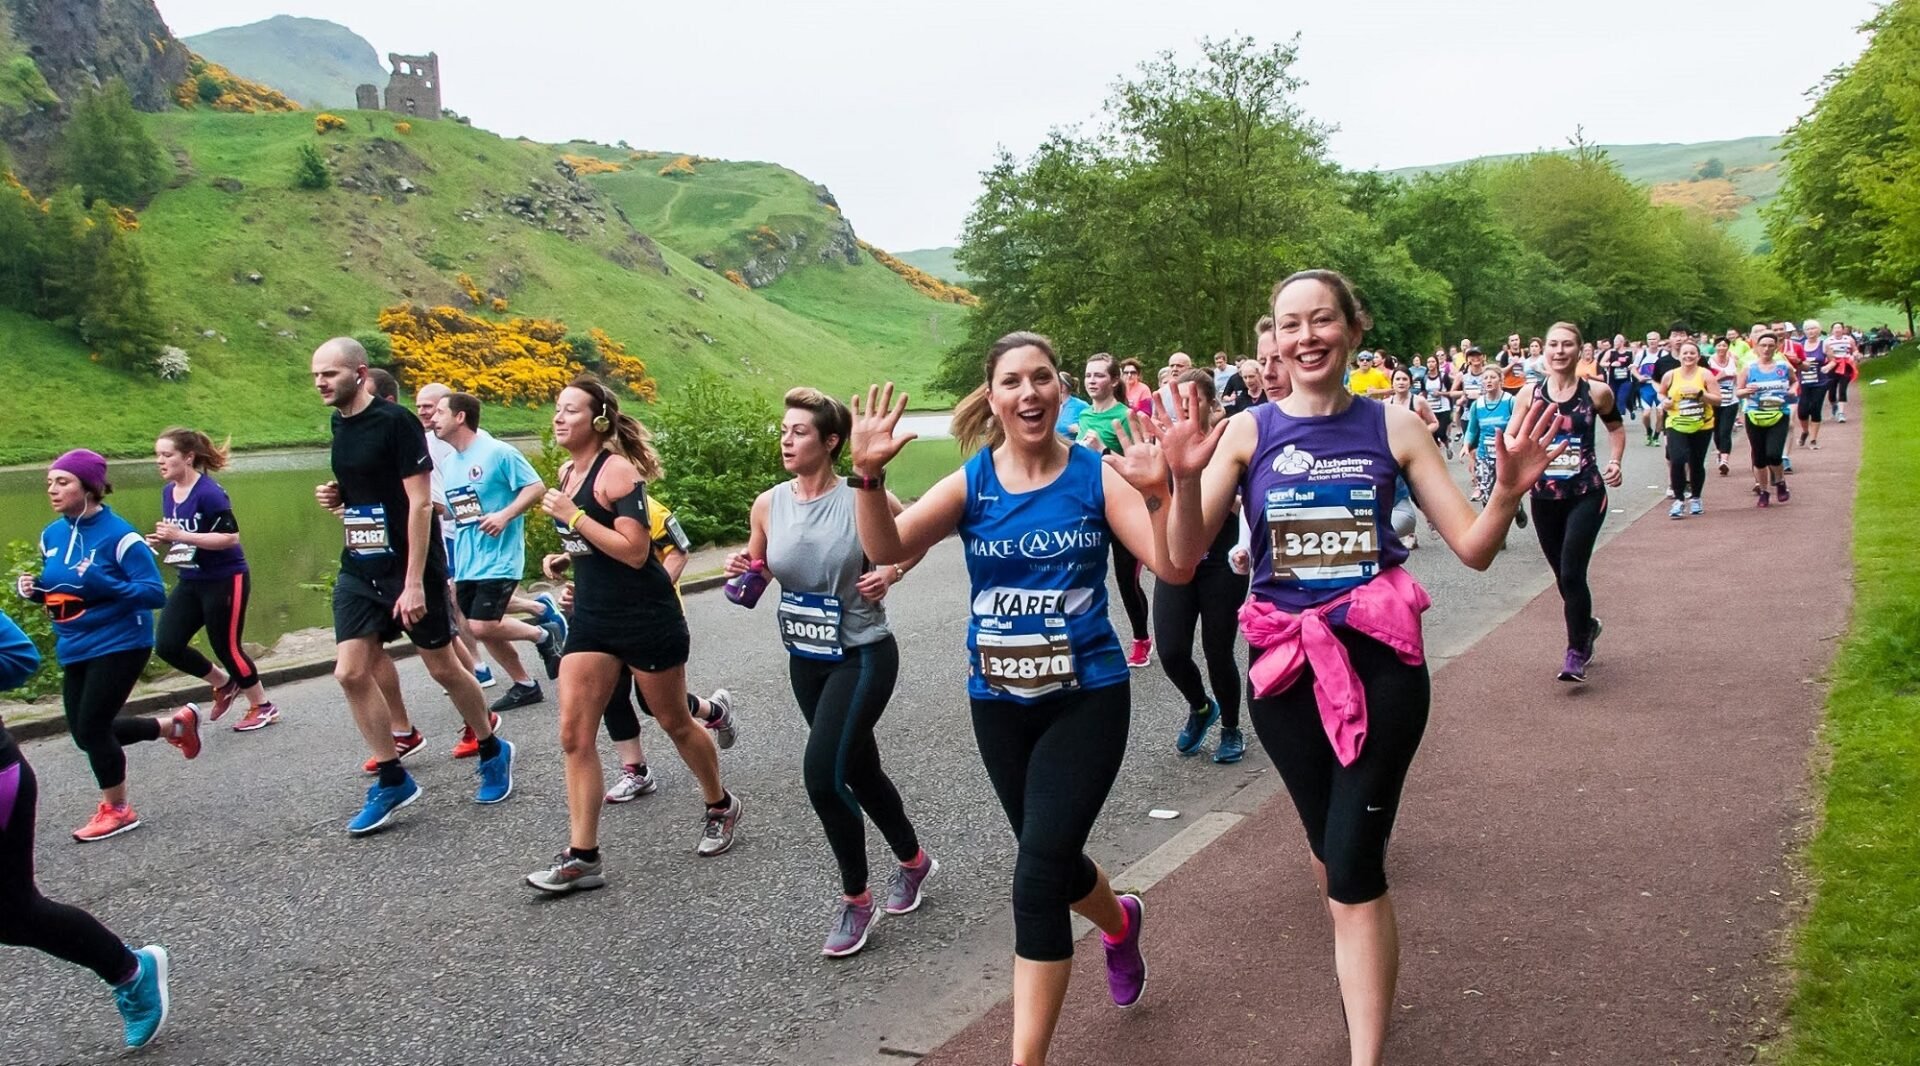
point(1372, 809)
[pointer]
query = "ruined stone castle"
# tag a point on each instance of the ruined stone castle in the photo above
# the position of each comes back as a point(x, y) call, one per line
point(412, 90)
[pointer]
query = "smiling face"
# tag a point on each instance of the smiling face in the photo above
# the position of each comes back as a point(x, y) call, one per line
point(174, 464)
point(1313, 334)
point(573, 419)
point(1024, 394)
point(65, 493)
point(1563, 349)
point(1688, 354)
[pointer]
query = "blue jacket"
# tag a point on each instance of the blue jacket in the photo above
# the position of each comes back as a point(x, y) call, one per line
point(99, 575)
point(18, 657)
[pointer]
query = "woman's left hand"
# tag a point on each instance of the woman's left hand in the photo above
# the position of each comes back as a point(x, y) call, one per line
point(1612, 474)
point(559, 506)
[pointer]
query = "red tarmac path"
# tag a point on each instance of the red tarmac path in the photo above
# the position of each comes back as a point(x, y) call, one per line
point(1583, 874)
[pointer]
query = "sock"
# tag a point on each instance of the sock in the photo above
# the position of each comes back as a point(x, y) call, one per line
point(490, 747)
point(1126, 926)
point(919, 859)
point(408, 735)
point(585, 854)
point(864, 899)
point(694, 703)
point(133, 970)
point(726, 800)
point(390, 773)
point(637, 769)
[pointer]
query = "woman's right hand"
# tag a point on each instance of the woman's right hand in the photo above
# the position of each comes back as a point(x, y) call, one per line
point(738, 563)
point(555, 565)
point(24, 586)
point(1188, 440)
point(874, 421)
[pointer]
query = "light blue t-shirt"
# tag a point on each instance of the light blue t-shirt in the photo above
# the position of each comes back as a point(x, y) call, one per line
point(1069, 418)
point(479, 481)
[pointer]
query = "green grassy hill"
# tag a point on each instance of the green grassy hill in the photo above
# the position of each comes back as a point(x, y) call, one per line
point(936, 261)
point(408, 214)
point(314, 62)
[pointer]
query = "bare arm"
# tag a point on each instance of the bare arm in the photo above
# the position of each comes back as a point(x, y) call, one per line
point(627, 539)
point(419, 525)
point(741, 561)
point(1207, 466)
point(906, 537)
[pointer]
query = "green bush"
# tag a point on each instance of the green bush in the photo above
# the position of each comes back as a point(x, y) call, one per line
point(720, 448)
point(24, 558)
point(379, 348)
point(542, 539)
point(310, 169)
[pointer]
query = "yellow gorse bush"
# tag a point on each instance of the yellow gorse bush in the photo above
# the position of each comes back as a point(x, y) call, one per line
point(681, 164)
point(236, 93)
point(923, 282)
point(519, 360)
point(591, 164)
point(325, 121)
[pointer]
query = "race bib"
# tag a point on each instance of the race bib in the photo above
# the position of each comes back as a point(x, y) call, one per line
point(1025, 656)
point(1567, 463)
point(1325, 535)
point(366, 530)
point(810, 625)
point(1727, 398)
point(571, 541)
point(1770, 400)
point(1810, 374)
point(465, 505)
point(182, 555)
point(1690, 407)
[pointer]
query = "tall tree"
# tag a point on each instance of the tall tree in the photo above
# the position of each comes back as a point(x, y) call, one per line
point(107, 151)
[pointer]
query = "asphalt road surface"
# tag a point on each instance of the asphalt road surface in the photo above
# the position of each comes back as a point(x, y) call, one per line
point(294, 943)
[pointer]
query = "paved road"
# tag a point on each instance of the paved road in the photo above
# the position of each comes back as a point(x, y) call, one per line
point(296, 944)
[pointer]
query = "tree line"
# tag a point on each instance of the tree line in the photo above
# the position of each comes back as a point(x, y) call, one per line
point(1165, 225)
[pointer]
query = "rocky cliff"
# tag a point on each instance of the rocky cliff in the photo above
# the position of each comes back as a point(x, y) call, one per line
point(79, 45)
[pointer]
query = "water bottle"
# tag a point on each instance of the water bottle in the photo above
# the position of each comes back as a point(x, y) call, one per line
point(746, 588)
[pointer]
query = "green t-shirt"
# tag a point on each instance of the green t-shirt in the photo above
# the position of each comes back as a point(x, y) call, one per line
point(1102, 423)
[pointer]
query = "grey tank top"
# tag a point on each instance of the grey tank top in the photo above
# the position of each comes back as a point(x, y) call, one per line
point(813, 547)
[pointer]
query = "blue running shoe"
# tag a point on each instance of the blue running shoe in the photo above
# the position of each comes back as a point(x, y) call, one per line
point(550, 610)
point(1195, 731)
point(382, 802)
point(1232, 747)
point(496, 776)
point(143, 1000)
point(483, 674)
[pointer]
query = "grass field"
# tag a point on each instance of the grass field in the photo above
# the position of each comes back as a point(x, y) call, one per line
point(1857, 1000)
point(920, 464)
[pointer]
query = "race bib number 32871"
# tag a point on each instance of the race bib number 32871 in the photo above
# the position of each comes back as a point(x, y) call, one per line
point(1326, 535)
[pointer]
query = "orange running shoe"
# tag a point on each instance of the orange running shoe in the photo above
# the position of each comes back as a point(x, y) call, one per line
point(185, 733)
point(223, 698)
point(108, 821)
point(402, 747)
point(257, 718)
point(469, 745)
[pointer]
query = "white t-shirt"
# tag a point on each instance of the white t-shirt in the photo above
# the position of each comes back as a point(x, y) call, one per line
point(443, 455)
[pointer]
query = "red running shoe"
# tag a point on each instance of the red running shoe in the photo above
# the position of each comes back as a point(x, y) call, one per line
point(402, 747)
point(185, 733)
point(223, 698)
point(1140, 654)
point(469, 745)
point(258, 718)
point(107, 821)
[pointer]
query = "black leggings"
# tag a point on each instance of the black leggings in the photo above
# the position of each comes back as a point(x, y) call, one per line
point(1052, 764)
point(1568, 530)
point(1348, 811)
point(1126, 573)
point(1440, 434)
point(842, 702)
point(1838, 390)
point(1687, 461)
point(1212, 599)
point(1812, 402)
point(219, 607)
point(94, 691)
point(1723, 429)
point(29, 919)
point(1768, 443)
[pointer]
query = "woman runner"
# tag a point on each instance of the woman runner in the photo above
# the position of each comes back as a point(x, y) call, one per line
point(1766, 386)
point(1487, 418)
point(1047, 683)
point(627, 620)
point(841, 659)
point(1441, 389)
point(198, 535)
point(1332, 609)
point(1570, 499)
point(1816, 377)
point(1725, 368)
point(1843, 354)
point(1099, 430)
point(1207, 602)
point(100, 585)
point(1688, 395)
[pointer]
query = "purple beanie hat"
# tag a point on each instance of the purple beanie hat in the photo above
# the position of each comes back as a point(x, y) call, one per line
point(86, 465)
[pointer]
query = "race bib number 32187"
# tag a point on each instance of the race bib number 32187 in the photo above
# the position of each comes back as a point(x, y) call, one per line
point(1326, 535)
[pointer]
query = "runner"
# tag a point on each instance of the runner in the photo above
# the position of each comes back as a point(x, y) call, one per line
point(393, 579)
point(1616, 362)
point(1405, 520)
point(381, 385)
point(1099, 430)
point(1368, 379)
point(1725, 368)
point(1047, 684)
point(198, 535)
point(1442, 389)
point(1842, 353)
point(1815, 378)
point(842, 660)
point(31, 920)
point(1766, 387)
point(627, 621)
point(1688, 395)
point(426, 407)
point(1208, 603)
point(1132, 390)
point(1069, 424)
point(1343, 757)
point(1275, 383)
point(1487, 418)
point(489, 488)
point(1570, 499)
point(100, 585)
point(1647, 373)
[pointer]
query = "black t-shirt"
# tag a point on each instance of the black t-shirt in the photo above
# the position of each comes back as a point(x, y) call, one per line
point(1619, 365)
point(1241, 394)
point(1664, 365)
point(373, 454)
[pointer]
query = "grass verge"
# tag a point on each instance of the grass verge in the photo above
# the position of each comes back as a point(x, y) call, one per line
point(1857, 995)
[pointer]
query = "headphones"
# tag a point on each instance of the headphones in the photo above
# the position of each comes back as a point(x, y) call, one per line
point(601, 423)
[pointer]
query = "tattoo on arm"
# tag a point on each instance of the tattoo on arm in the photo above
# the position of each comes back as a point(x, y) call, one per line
point(1153, 504)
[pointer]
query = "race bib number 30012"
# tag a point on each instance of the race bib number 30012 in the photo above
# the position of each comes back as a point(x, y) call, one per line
point(1027, 656)
point(1326, 535)
point(810, 625)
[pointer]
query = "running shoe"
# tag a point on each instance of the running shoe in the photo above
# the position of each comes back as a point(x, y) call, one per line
point(906, 889)
point(518, 695)
point(851, 925)
point(223, 698)
point(383, 801)
point(1761, 497)
point(717, 827)
point(1815, 446)
point(1195, 731)
point(469, 745)
point(552, 646)
point(1724, 468)
point(107, 821)
point(402, 747)
point(1803, 440)
point(725, 732)
point(550, 609)
point(1786, 463)
point(1575, 666)
point(1780, 491)
point(1520, 517)
point(1694, 507)
point(258, 718)
point(483, 674)
point(143, 1001)
point(569, 873)
point(1232, 747)
point(1126, 969)
point(1593, 638)
point(184, 730)
point(1840, 416)
point(1140, 654)
point(496, 776)
point(1678, 510)
point(632, 786)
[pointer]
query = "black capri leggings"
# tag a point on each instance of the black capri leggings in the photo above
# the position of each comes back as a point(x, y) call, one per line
point(29, 919)
point(1441, 433)
point(1348, 811)
point(219, 607)
point(1838, 390)
point(94, 691)
point(842, 702)
point(1568, 530)
point(1768, 443)
point(1052, 764)
point(1126, 573)
point(1723, 429)
point(1212, 600)
point(1687, 462)
point(1812, 401)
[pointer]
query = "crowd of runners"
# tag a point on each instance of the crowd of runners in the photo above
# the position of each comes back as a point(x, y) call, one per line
point(1274, 499)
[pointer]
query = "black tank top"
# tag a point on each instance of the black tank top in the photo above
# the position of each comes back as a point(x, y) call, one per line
point(604, 588)
point(1575, 472)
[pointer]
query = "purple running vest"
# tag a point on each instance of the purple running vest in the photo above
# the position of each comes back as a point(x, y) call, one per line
point(1577, 471)
point(1319, 497)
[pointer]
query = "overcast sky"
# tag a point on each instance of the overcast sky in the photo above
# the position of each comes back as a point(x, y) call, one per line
point(898, 106)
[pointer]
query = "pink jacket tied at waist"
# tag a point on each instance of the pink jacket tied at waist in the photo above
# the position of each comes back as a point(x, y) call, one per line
point(1388, 609)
